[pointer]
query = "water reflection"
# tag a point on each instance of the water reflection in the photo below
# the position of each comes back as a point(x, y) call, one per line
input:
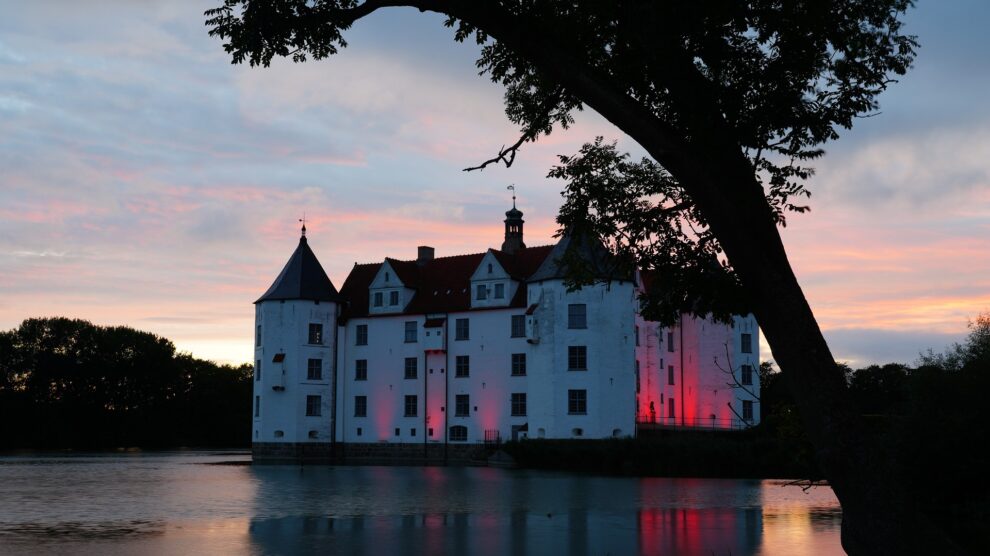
point(174, 504)
point(393, 510)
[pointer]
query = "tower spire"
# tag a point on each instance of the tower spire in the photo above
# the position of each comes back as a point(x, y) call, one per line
point(513, 226)
point(303, 220)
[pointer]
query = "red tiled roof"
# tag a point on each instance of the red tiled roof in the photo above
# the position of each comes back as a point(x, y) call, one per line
point(442, 285)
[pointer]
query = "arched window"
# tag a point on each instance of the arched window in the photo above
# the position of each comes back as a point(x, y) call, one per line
point(458, 433)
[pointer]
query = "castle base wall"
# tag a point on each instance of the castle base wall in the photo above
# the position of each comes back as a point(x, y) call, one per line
point(378, 453)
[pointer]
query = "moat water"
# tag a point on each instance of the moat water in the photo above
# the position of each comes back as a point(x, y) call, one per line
point(207, 503)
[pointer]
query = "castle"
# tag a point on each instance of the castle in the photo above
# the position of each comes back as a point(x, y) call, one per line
point(438, 353)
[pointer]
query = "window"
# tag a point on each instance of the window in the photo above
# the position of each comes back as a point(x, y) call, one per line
point(462, 406)
point(499, 291)
point(747, 374)
point(458, 433)
point(387, 276)
point(577, 402)
point(360, 406)
point(747, 410)
point(670, 375)
point(481, 292)
point(361, 369)
point(462, 366)
point(411, 404)
point(257, 370)
point(393, 299)
point(257, 336)
point(670, 408)
point(519, 405)
point(518, 326)
point(315, 333)
point(577, 315)
point(257, 406)
point(577, 358)
point(397, 431)
point(670, 342)
point(489, 268)
point(637, 376)
point(518, 364)
point(361, 337)
point(577, 432)
point(379, 299)
point(360, 431)
point(747, 343)
point(462, 329)
point(410, 331)
point(313, 404)
point(314, 370)
point(637, 335)
point(412, 432)
point(412, 365)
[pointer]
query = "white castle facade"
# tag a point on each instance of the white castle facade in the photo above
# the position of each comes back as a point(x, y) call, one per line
point(456, 351)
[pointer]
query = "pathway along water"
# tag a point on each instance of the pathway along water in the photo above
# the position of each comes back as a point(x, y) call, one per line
point(183, 503)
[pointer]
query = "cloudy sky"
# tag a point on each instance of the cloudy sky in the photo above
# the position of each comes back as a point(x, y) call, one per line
point(146, 181)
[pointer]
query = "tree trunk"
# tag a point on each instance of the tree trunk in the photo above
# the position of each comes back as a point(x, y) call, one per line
point(879, 516)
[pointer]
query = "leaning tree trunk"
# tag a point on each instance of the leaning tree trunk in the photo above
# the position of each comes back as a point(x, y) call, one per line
point(879, 516)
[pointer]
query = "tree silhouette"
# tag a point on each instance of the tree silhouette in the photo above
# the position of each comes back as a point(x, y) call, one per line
point(732, 99)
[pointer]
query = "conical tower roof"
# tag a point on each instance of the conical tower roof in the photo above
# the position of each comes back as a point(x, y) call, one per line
point(302, 278)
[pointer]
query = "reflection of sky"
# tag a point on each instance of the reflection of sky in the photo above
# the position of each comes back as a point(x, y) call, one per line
point(177, 503)
point(145, 181)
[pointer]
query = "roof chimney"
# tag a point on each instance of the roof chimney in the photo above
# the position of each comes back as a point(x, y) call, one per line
point(424, 254)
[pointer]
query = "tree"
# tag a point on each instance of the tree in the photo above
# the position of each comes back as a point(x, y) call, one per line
point(732, 99)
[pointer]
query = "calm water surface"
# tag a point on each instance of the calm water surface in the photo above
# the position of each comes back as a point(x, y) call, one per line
point(184, 503)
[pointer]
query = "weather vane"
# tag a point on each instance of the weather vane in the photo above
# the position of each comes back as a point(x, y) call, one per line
point(513, 189)
point(303, 220)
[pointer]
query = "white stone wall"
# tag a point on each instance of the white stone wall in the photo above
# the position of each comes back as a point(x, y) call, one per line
point(283, 387)
point(707, 389)
point(610, 376)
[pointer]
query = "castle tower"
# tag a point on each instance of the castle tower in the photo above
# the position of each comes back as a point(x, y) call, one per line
point(513, 229)
point(295, 325)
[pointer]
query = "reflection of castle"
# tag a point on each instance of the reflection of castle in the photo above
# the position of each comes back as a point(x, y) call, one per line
point(476, 510)
point(470, 348)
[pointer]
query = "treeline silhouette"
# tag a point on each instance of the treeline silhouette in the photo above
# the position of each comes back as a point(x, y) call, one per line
point(67, 383)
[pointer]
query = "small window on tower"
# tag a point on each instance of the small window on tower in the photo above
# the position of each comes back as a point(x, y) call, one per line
point(313, 406)
point(747, 375)
point(314, 370)
point(518, 326)
point(315, 333)
point(747, 343)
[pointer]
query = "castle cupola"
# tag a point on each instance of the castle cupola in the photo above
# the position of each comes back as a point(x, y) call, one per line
point(513, 227)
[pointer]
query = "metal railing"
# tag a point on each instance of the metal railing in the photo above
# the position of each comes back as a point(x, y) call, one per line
point(697, 423)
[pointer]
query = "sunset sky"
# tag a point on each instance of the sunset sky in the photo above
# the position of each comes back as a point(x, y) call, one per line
point(145, 181)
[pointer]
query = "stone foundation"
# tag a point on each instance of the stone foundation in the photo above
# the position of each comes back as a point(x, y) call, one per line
point(378, 453)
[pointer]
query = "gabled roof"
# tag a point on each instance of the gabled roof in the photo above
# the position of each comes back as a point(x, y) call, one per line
point(302, 278)
point(588, 249)
point(442, 285)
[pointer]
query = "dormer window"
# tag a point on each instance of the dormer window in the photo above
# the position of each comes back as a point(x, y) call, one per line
point(393, 298)
point(482, 292)
point(499, 291)
point(379, 299)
